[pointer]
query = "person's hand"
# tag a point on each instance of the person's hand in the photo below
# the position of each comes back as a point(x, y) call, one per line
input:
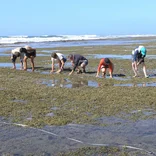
point(59, 71)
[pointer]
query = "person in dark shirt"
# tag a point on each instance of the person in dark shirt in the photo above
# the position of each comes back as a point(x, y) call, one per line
point(77, 62)
point(138, 55)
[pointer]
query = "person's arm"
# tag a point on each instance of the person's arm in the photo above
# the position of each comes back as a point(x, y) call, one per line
point(75, 64)
point(98, 72)
point(61, 68)
point(21, 59)
point(71, 72)
point(140, 60)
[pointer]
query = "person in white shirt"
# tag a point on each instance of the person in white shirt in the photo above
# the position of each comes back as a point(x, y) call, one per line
point(61, 59)
point(18, 52)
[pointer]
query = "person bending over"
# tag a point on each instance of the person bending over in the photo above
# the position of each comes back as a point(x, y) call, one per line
point(103, 65)
point(18, 52)
point(138, 55)
point(61, 59)
point(31, 53)
point(77, 62)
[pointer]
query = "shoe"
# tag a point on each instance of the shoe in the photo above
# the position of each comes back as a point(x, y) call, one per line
point(146, 76)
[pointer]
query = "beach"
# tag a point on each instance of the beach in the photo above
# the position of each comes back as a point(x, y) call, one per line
point(57, 114)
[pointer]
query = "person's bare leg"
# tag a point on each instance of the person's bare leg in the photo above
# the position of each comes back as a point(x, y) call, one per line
point(103, 70)
point(21, 65)
point(144, 69)
point(135, 73)
point(83, 66)
point(25, 63)
point(14, 66)
point(32, 63)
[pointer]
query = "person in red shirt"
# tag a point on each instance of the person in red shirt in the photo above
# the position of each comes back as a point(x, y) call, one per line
point(103, 65)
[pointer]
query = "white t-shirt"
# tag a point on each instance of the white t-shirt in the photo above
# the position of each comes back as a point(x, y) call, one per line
point(16, 52)
point(60, 57)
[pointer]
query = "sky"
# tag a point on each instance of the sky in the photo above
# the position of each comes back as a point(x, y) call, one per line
point(77, 17)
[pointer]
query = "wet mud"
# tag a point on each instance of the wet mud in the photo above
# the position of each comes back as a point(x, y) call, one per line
point(50, 140)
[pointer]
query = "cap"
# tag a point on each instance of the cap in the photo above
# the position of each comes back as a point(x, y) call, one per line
point(107, 61)
point(143, 51)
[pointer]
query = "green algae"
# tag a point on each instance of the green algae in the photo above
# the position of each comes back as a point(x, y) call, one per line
point(74, 103)
point(106, 100)
point(102, 151)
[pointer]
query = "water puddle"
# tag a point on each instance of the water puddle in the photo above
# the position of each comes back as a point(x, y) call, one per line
point(66, 83)
point(20, 101)
point(99, 56)
point(9, 65)
point(148, 84)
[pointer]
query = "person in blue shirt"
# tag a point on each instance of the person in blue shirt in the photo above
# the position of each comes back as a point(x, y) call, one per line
point(138, 55)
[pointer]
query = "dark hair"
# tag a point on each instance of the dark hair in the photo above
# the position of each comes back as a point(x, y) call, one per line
point(70, 55)
point(53, 55)
point(23, 50)
point(107, 61)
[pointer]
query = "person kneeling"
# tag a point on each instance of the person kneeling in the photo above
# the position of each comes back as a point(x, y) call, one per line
point(103, 65)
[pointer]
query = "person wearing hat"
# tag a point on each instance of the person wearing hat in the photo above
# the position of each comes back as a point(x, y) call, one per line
point(138, 55)
point(18, 52)
point(78, 61)
point(103, 65)
point(60, 58)
point(31, 53)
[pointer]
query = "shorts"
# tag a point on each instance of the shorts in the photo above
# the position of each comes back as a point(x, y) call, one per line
point(31, 53)
point(106, 66)
point(84, 62)
point(64, 60)
point(14, 57)
point(138, 59)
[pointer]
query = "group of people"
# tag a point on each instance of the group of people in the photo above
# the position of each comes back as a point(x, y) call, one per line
point(78, 62)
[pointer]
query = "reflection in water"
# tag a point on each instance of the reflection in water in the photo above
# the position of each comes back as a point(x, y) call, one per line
point(151, 84)
point(6, 65)
point(69, 84)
